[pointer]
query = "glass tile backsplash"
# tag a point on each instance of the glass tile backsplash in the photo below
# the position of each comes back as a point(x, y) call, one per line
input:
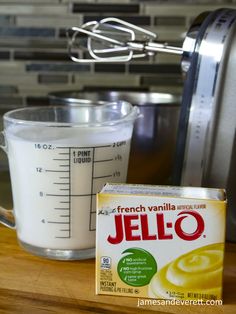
point(33, 47)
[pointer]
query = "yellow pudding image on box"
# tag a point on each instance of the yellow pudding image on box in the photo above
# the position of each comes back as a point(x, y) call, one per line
point(160, 242)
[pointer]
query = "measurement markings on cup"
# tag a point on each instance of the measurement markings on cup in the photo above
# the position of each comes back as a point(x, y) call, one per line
point(96, 163)
point(62, 193)
point(84, 160)
point(78, 174)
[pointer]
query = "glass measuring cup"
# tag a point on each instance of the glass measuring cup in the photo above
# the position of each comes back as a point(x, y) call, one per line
point(59, 158)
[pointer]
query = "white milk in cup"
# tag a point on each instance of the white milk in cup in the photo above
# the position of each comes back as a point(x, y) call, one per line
point(59, 158)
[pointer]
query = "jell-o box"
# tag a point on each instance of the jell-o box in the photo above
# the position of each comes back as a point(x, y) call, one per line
point(161, 242)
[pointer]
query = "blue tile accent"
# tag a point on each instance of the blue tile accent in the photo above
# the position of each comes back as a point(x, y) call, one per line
point(27, 32)
point(6, 20)
point(8, 89)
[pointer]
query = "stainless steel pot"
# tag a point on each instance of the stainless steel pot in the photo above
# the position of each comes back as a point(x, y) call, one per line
point(155, 132)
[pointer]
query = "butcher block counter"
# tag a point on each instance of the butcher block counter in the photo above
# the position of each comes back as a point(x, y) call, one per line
point(30, 284)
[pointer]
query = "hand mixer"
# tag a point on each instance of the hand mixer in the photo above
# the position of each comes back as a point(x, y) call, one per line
point(114, 40)
point(206, 145)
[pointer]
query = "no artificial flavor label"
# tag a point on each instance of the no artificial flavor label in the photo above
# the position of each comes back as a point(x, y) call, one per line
point(137, 268)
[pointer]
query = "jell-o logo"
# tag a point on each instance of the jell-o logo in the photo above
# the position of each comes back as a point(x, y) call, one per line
point(127, 226)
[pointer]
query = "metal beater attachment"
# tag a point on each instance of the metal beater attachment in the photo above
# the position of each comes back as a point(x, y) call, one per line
point(113, 40)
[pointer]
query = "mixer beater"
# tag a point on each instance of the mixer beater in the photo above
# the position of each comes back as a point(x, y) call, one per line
point(114, 40)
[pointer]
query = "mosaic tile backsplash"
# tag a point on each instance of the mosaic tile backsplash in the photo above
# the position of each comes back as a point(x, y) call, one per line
point(33, 47)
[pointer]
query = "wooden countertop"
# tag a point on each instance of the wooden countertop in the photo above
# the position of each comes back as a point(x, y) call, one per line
point(30, 284)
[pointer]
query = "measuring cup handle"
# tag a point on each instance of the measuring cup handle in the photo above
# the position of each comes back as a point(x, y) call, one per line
point(6, 216)
point(3, 141)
